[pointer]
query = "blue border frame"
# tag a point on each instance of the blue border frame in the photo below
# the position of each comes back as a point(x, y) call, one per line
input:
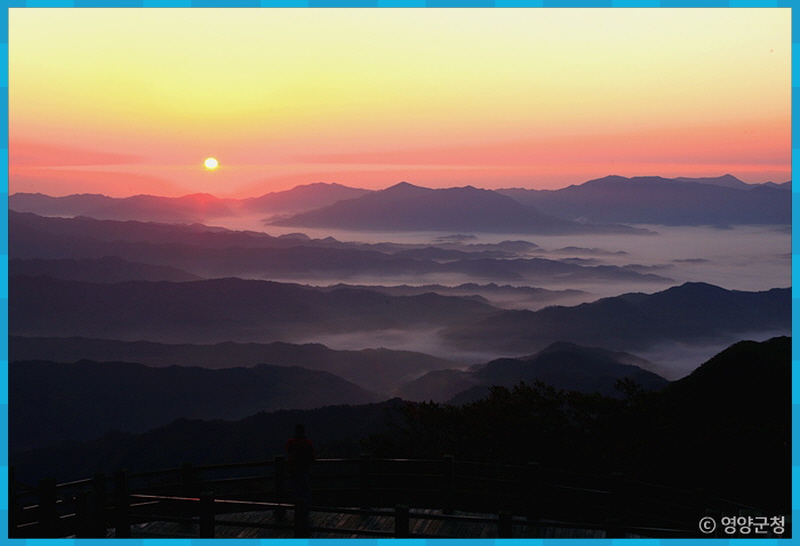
point(4, 4)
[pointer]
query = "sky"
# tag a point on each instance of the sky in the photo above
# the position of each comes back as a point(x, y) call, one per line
point(132, 101)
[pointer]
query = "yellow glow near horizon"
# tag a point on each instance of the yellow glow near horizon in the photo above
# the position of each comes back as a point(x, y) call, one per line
point(211, 163)
point(278, 85)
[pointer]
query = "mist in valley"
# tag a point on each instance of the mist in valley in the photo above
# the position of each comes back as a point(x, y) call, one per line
point(734, 257)
point(746, 258)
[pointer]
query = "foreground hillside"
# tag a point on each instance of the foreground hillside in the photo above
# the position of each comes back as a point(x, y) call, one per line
point(54, 402)
point(726, 427)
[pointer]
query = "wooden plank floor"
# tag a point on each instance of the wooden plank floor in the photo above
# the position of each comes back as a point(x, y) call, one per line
point(418, 526)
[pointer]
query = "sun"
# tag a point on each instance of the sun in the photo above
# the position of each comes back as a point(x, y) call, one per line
point(211, 163)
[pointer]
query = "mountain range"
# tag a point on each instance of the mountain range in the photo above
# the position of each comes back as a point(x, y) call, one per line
point(219, 310)
point(726, 428)
point(561, 365)
point(406, 207)
point(377, 370)
point(199, 207)
point(692, 312)
point(108, 269)
point(582, 208)
point(59, 401)
point(55, 401)
point(217, 252)
point(671, 201)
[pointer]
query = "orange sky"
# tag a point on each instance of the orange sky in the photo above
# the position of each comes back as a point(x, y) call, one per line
point(126, 101)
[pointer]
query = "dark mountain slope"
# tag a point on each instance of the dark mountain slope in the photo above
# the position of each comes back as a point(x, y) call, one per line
point(692, 312)
point(657, 200)
point(726, 428)
point(213, 252)
point(26, 228)
point(405, 207)
point(377, 370)
point(106, 269)
point(218, 310)
point(53, 402)
point(727, 424)
point(561, 365)
point(336, 431)
point(746, 370)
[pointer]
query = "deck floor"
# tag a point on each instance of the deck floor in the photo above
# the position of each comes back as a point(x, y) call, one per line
point(348, 523)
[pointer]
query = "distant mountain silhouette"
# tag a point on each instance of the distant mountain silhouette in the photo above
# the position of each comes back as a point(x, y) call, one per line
point(378, 370)
point(70, 205)
point(657, 200)
point(198, 207)
point(515, 296)
point(301, 198)
point(726, 181)
point(54, 402)
point(215, 252)
point(218, 310)
point(45, 234)
point(106, 269)
point(406, 207)
point(692, 312)
point(562, 365)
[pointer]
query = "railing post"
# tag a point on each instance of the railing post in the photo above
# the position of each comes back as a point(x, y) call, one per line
point(504, 524)
point(98, 501)
point(535, 491)
point(301, 520)
point(48, 508)
point(122, 505)
point(401, 521)
point(280, 478)
point(13, 503)
point(189, 480)
point(207, 516)
point(449, 480)
point(83, 517)
point(365, 471)
point(614, 527)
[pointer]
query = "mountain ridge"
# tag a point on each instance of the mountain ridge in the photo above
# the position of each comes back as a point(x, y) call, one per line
point(660, 200)
point(691, 312)
point(406, 207)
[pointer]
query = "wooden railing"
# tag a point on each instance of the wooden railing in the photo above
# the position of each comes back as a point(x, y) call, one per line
point(511, 496)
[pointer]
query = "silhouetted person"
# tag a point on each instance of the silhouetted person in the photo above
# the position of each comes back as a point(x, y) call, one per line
point(300, 455)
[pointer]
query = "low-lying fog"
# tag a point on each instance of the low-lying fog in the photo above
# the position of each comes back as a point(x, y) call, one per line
point(747, 258)
point(737, 258)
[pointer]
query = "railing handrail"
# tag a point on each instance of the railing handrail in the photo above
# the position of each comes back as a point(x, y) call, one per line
point(445, 482)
